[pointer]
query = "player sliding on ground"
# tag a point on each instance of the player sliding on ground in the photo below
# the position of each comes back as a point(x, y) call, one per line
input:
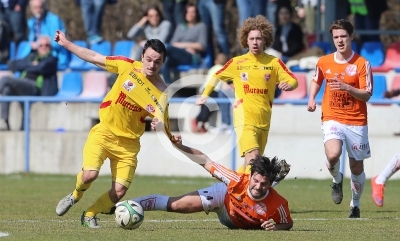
point(241, 201)
point(136, 94)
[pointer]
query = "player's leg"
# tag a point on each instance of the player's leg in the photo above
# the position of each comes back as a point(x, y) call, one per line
point(123, 165)
point(248, 144)
point(378, 182)
point(93, 158)
point(357, 145)
point(333, 140)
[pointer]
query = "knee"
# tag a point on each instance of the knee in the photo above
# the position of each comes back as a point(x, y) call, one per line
point(89, 176)
point(333, 156)
point(356, 169)
point(117, 193)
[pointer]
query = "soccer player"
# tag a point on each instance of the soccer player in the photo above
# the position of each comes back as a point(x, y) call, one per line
point(241, 201)
point(255, 75)
point(348, 81)
point(378, 182)
point(136, 94)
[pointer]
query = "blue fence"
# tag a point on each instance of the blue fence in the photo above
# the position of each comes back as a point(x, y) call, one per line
point(28, 100)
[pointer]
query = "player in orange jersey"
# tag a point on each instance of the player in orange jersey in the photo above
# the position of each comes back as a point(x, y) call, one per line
point(241, 201)
point(255, 75)
point(348, 80)
point(137, 93)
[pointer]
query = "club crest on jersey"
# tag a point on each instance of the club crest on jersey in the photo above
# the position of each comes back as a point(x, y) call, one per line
point(266, 77)
point(128, 85)
point(244, 76)
point(150, 108)
point(260, 208)
point(351, 69)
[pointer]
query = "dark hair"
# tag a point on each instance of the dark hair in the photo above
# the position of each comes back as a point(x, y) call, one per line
point(288, 7)
point(157, 46)
point(265, 167)
point(342, 24)
point(157, 9)
point(198, 19)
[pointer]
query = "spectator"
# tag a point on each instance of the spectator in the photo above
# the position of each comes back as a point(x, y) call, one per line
point(38, 77)
point(151, 26)
point(288, 35)
point(174, 11)
point(306, 10)
point(367, 14)
point(249, 8)
point(92, 14)
point(44, 22)
point(199, 123)
point(13, 13)
point(212, 13)
point(270, 9)
point(188, 43)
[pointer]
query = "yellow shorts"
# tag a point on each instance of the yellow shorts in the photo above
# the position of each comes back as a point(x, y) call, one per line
point(122, 152)
point(251, 138)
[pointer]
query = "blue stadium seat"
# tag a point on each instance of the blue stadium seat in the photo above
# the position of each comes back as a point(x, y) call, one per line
point(374, 52)
point(76, 63)
point(71, 85)
point(12, 50)
point(123, 47)
point(320, 94)
point(24, 48)
point(379, 87)
point(354, 47)
point(325, 46)
point(104, 48)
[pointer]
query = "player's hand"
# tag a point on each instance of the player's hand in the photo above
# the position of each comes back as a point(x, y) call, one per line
point(284, 86)
point(268, 225)
point(156, 124)
point(336, 84)
point(177, 140)
point(201, 100)
point(60, 38)
point(311, 105)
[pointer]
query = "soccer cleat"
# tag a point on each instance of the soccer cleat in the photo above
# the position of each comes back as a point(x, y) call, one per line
point(377, 192)
point(337, 192)
point(354, 212)
point(65, 204)
point(90, 222)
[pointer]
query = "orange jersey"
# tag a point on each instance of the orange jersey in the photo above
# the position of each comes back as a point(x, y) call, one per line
point(255, 79)
point(339, 105)
point(244, 211)
point(131, 99)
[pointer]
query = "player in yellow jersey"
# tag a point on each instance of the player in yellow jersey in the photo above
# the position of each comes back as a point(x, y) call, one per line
point(255, 75)
point(136, 94)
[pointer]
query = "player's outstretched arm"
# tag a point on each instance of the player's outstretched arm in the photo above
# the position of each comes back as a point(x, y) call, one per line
point(83, 53)
point(195, 155)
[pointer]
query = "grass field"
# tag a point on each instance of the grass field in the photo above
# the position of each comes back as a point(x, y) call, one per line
point(27, 212)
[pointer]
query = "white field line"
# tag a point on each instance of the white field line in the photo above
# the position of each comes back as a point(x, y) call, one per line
point(176, 220)
point(4, 234)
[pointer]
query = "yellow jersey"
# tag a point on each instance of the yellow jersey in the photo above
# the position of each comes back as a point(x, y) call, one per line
point(255, 78)
point(131, 99)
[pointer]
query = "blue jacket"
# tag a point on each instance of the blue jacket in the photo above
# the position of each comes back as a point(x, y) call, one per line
point(50, 23)
point(46, 69)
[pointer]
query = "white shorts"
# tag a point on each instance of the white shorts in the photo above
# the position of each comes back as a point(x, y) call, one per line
point(355, 138)
point(213, 198)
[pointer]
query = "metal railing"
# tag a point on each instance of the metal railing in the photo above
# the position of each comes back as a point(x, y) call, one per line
point(27, 100)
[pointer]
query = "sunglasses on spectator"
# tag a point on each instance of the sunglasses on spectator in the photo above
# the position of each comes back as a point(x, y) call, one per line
point(44, 45)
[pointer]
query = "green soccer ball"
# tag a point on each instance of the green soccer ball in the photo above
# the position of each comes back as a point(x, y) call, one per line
point(129, 214)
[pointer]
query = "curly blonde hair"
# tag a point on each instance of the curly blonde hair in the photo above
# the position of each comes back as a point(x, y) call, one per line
point(259, 23)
